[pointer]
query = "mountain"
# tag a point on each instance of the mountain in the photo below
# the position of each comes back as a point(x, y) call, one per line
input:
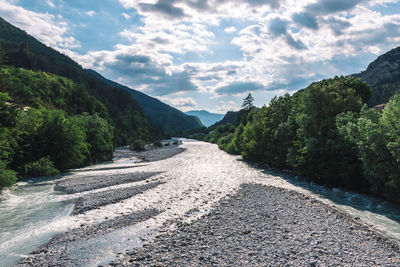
point(170, 119)
point(126, 108)
point(383, 75)
point(206, 117)
point(20, 50)
point(230, 117)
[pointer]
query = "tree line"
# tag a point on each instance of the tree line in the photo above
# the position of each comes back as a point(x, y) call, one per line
point(325, 132)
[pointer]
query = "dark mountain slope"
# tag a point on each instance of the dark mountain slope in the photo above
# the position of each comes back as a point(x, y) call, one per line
point(206, 117)
point(383, 75)
point(21, 50)
point(231, 117)
point(170, 119)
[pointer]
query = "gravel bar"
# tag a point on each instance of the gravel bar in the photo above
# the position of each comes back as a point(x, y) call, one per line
point(81, 184)
point(55, 252)
point(95, 200)
point(158, 153)
point(268, 226)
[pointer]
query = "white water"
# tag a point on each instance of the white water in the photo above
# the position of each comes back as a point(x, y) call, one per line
point(195, 180)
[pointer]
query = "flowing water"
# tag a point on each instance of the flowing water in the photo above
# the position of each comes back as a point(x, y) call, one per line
point(195, 180)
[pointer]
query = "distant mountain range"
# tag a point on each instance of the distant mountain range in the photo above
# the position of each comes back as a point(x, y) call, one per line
point(170, 119)
point(383, 75)
point(125, 106)
point(206, 117)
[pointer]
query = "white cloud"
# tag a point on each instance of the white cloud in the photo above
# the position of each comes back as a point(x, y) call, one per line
point(126, 16)
point(225, 106)
point(231, 29)
point(182, 103)
point(90, 13)
point(51, 4)
point(44, 26)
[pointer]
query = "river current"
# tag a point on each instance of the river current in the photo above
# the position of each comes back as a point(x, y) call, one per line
point(32, 212)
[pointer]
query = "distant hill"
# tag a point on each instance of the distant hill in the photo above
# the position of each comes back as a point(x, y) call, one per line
point(383, 75)
point(230, 117)
point(170, 119)
point(206, 117)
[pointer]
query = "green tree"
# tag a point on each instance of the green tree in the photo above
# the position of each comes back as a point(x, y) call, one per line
point(248, 102)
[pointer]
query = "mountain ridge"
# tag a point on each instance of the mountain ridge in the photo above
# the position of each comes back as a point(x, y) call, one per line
point(169, 118)
point(383, 76)
point(22, 50)
point(207, 118)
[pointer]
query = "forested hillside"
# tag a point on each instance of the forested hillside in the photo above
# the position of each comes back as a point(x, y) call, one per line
point(54, 115)
point(48, 124)
point(19, 49)
point(171, 120)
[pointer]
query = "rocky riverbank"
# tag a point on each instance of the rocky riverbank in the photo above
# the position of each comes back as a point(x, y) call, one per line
point(268, 226)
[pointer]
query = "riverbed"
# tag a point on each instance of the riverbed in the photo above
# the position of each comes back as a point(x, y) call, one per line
point(149, 195)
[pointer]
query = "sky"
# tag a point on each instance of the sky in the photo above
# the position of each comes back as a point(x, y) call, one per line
point(209, 54)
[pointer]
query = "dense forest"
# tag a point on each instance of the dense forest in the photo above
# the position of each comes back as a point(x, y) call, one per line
point(54, 115)
point(21, 50)
point(48, 124)
point(325, 132)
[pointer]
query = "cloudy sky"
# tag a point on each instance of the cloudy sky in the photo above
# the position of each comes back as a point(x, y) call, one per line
point(209, 54)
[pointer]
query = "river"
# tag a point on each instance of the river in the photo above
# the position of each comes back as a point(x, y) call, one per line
point(192, 182)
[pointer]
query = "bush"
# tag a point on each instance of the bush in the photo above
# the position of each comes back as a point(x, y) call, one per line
point(7, 177)
point(137, 145)
point(42, 167)
point(157, 144)
point(225, 140)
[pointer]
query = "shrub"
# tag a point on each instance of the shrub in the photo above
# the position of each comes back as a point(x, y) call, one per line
point(42, 167)
point(7, 177)
point(137, 145)
point(157, 144)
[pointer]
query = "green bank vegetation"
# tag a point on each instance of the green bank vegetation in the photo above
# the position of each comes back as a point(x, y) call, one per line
point(49, 124)
point(325, 132)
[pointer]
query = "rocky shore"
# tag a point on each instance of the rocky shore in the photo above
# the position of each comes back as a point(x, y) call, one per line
point(268, 226)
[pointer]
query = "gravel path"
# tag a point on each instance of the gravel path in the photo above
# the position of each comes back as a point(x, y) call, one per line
point(268, 226)
point(95, 200)
point(74, 185)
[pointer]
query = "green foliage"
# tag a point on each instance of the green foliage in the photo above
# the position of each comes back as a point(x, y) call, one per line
point(319, 150)
point(50, 133)
point(117, 106)
point(377, 137)
point(300, 132)
point(99, 136)
point(7, 177)
point(248, 102)
point(157, 144)
point(43, 167)
point(137, 145)
point(40, 89)
point(219, 132)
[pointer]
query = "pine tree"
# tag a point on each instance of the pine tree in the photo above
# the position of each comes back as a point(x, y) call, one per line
point(248, 102)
